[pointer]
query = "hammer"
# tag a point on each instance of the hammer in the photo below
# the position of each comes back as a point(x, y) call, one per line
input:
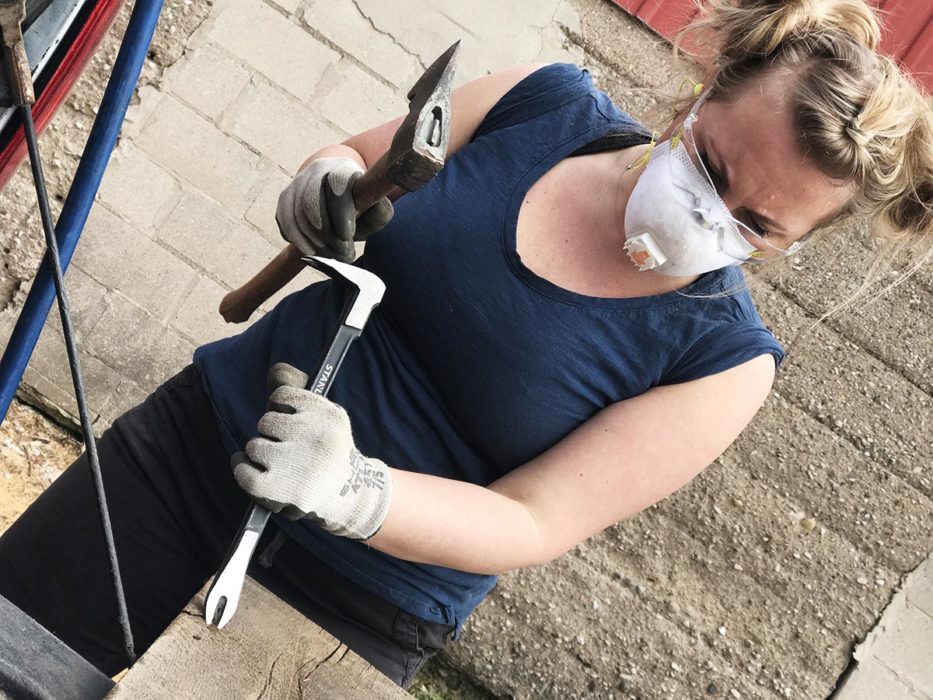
point(365, 292)
point(414, 158)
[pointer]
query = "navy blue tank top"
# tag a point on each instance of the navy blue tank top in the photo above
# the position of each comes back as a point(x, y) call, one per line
point(473, 364)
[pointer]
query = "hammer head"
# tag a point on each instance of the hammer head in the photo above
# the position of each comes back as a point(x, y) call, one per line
point(420, 144)
point(368, 288)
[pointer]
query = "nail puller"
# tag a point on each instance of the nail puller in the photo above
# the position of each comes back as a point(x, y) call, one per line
point(365, 292)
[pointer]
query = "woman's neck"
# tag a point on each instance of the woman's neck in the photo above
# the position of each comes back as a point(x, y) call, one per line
point(617, 183)
point(571, 230)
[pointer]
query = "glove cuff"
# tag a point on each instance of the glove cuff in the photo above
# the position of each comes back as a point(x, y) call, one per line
point(365, 498)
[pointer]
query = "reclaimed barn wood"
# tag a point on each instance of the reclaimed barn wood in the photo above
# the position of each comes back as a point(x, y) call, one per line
point(268, 650)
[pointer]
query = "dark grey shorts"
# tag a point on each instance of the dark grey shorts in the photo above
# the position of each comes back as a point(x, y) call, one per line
point(175, 507)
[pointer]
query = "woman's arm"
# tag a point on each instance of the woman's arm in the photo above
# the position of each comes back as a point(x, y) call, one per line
point(628, 456)
point(469, 105)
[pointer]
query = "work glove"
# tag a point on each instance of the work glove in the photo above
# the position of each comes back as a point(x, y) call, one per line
point(303, 463)
point(316, 213)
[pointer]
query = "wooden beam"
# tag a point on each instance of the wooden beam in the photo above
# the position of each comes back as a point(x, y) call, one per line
point(268, 650)
point(36, 664)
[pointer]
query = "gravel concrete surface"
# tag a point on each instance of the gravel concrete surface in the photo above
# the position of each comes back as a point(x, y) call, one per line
point(757, 579)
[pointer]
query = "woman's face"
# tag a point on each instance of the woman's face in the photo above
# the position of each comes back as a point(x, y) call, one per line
point(751, 151)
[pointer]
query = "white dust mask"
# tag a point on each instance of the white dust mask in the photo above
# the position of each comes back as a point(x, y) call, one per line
point(676, 223)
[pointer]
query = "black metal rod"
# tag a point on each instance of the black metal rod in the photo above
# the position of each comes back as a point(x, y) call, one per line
point(73, 361)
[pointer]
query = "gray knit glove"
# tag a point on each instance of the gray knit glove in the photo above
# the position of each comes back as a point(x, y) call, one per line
point(316, 212)
point(304, 464)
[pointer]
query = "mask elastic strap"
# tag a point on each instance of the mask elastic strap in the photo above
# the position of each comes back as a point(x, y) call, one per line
point(644, 158)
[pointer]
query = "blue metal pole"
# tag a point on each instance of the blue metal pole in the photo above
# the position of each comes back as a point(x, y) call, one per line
point(84, 188)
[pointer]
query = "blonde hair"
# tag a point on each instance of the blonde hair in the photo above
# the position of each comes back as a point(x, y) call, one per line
point(860, 119)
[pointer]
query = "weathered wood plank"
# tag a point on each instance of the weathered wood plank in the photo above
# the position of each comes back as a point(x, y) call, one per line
point(36, 664)
point(268, 650)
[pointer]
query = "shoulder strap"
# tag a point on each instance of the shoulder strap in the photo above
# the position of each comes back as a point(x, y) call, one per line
point(613, 142)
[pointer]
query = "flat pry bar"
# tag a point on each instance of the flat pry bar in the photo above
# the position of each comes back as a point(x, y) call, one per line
point(224, 594)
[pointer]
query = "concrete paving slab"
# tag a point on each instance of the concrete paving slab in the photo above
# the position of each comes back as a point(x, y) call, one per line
point(353, 100)
point(343, 23)
point(905, 647)
point(274, 123)
point(221, 245)
point(920, 591)
point(289, 7)
point(894, 657)
point(138, 113)
point(7, 319)
point(208, 82)
point(48, 376)
point(497, 19)
point(417, 26)
point(137, 345)
point(119, 190)
point(207, 158)
point(196, 319)
point(116, 256)
point(876, 681)
point(271, 44)
point(261, 212)
point(86, 299)
point(488, 44)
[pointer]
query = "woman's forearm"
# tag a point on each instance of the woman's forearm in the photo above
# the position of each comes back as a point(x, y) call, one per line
point(337, 150)
point(459, 525)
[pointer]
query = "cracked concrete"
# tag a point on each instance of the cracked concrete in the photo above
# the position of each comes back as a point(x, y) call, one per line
point(395, 41)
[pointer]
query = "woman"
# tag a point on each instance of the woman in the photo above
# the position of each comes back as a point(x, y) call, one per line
point(565, 339)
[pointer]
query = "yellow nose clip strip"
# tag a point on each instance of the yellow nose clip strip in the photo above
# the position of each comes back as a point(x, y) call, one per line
point(645, 158)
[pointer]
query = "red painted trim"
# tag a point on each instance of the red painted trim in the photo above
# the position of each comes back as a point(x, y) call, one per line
point(904, 24)
point(908, 28)
point(630, 6)
point(63, 79)
point(908, 36)
point(667, 17)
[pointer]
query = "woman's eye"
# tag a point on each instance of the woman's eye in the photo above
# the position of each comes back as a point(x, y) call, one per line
point(757, 227)
point(714, 176)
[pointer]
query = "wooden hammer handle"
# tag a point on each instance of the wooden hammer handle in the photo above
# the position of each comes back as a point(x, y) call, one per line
point(239, 305)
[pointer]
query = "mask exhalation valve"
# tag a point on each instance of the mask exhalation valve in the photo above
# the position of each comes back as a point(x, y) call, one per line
point(644, 252)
